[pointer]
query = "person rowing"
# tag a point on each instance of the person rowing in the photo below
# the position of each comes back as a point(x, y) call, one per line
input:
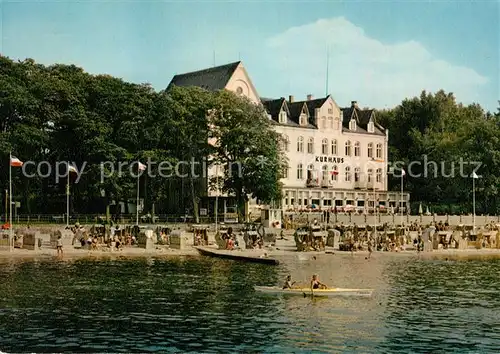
point(316, 284)
point(288, 282)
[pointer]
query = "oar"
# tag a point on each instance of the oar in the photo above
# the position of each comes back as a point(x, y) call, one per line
point(312, 294)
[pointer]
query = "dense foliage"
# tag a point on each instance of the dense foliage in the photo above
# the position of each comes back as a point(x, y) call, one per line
point(61, 113)
point(435, 128)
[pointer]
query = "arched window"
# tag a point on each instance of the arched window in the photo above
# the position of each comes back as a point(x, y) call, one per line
point(324, 147)
point(299, 171)
point(357, 148)
point(285, 171)
point(371, 127)
point(379, 175)
point(334, 147)
point(300, 144)
point(348, 151)
point(324, 176)
point(379, 151)
point(330, 122)
point(370, 150)
point(323, 122)
point(286, 140)
point(310, 146)
point(283, 117)
point(357, 174)
point(337, 123)
point(348, 174)
point(335, 173)
point(352, 125)
point(370, 175)
point(310, 170)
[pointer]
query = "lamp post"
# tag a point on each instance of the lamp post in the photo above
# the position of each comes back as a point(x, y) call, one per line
point(474, 176)
point(216, 196)
point(374, 213)
point(402, 175)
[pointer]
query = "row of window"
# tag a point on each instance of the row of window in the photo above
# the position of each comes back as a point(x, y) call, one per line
point(324, 123)
point(348, 148)
point(334, 173)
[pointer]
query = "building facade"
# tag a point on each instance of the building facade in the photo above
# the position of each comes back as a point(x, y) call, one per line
point(337, 157)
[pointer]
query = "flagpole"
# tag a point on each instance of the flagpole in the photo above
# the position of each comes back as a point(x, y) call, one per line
point(10, 200)
point(473, 203)
point(374, 213)
point(402, 174)
point(137, 203)
point(67, 199)
point(216, 197)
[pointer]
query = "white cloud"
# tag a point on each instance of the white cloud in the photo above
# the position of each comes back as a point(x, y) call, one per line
point(362, 68)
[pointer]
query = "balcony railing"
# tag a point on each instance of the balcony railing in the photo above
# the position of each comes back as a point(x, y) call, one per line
point(326, 183)
point(312, 183)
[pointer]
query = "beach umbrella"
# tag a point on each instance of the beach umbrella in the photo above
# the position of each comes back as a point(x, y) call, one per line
point(427, 211)
point(420, 211)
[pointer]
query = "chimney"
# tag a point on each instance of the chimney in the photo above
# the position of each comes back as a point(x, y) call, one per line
point(354, 104)
point(309, 97)
point(290, 99)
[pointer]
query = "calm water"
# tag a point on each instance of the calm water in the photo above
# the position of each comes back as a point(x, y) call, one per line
point(198, 304)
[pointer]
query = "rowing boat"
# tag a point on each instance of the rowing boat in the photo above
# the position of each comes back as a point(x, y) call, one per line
point(235, 256)
point(316, 292)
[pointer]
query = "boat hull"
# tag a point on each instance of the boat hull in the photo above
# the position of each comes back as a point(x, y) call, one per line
point(333, 292)
point(236, 257)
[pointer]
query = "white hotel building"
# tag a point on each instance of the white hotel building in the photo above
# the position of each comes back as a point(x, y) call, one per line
point(337, 157)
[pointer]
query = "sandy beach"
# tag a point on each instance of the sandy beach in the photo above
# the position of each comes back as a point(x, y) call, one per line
point(284, 250)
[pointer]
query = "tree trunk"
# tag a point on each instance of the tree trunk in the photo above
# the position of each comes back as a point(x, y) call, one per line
point(240, 202)
point(195, 201)
point(107, 212)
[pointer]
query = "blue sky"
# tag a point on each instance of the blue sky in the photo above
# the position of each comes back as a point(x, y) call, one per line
point(380, 52)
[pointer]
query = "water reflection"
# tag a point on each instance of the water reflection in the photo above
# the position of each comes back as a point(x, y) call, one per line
point(443, 305)
point(200, 304)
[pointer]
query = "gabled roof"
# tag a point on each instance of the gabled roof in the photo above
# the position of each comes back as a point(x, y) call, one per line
point(295, 109)
point(362, 117)
point(212, 79)
point(273, 107)
point(312, 105)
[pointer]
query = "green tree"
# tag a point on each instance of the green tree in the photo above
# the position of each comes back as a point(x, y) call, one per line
point(249, 149)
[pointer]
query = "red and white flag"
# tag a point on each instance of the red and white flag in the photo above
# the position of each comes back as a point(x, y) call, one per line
point(15, 162)
point(142, 167)
point(72, 168)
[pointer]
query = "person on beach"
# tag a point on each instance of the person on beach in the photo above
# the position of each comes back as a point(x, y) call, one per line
point(288, 282)
point(59, 246)
point(370, 248)
point(316, 284)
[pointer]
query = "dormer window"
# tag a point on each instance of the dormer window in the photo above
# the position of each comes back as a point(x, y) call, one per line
point(371, 127)
point(282, 117)
point(352, 125)
point(303, 119)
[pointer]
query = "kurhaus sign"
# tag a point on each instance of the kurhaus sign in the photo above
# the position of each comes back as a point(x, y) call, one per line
point(329, 159)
